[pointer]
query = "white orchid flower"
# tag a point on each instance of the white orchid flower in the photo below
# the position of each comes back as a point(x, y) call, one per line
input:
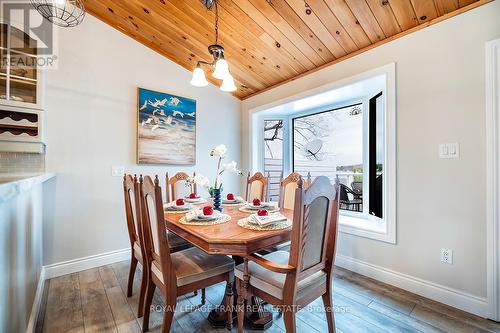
point(231, 167)
point(219, 151)
point(199, 180)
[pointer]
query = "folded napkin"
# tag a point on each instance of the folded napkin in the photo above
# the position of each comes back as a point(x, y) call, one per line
point(197, 214)
point(237, 199)
point(267, 220)
point(193, 215)
point(173, 206)
point(263, 205)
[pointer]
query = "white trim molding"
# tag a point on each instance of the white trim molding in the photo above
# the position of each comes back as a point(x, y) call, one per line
point(439, 293)
point(81, 264)
point(492, 177)
point(35, 308)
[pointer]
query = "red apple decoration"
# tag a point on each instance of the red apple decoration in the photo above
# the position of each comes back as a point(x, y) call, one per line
point(179, 202)
point(230, 196)
point(208, 210)
point(262, 212)
point(256, 202)
point(192, 196)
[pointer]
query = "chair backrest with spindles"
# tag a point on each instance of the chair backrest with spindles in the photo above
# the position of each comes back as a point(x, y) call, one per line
point(314, 232)
point(257, 186)
point(177, 186)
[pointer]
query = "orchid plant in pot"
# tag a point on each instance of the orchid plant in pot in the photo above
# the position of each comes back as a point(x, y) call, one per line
point(215, 190)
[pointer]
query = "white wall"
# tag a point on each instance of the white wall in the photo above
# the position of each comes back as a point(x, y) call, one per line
point(440, 74)
point(91, 112)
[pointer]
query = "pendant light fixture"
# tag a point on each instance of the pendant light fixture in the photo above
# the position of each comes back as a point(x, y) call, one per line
point(64, 13)
point(219, 63)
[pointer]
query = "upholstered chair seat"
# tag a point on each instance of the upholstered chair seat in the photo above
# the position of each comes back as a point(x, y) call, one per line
point(193, 265)
point(273, 283)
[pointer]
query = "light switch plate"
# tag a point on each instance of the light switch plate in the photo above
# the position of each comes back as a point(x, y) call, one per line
point(449, 150)
point(117, 171)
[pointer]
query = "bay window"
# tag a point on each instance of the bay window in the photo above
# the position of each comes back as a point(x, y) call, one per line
point(350, 139)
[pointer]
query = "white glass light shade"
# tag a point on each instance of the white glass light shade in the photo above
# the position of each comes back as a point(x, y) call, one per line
point(228, 84)
point(199, 79)
point(221, 69)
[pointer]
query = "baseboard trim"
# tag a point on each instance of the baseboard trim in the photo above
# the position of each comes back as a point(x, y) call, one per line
point(35, 308)
point(455, 298)
point(81, 264)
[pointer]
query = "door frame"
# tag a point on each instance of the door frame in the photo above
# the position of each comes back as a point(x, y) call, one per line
point(493, 177)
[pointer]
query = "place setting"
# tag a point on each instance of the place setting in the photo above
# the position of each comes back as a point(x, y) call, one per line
point(177, 207)
point(263, 220)
point(195, 199)
point(232, 200)
point(257, 205)
point(205, 216)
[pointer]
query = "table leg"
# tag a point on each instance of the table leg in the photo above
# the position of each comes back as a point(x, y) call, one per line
point(258, 317)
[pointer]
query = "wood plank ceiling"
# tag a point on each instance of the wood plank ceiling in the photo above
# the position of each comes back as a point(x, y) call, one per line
point(269, 42)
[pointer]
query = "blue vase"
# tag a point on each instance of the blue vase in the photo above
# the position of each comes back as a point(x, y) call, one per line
point(217, 200)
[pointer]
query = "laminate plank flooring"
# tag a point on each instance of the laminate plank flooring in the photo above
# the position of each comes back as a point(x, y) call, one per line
point(95, 301)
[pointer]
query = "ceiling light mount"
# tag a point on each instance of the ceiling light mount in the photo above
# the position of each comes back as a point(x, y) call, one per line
point(216, 50)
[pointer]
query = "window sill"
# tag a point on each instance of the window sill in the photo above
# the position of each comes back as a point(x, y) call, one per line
point(366, 227)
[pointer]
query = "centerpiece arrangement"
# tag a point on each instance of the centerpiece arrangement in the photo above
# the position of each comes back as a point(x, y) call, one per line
point(215, 190)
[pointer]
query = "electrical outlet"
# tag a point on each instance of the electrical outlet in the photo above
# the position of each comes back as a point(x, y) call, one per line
point(117, 171)
point(447, 256)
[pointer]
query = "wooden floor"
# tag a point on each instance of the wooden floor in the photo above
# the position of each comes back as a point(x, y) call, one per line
point(95, 301)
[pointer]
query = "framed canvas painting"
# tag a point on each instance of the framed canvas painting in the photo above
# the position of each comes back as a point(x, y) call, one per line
point(166, 129)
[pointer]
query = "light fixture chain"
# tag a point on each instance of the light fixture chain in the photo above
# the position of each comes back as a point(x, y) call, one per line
point(216, 23)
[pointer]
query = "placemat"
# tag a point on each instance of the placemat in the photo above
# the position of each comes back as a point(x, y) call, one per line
point(222, 218)
point(276, 226)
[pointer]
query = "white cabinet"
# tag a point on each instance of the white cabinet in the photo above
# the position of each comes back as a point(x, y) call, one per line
point(21, 81)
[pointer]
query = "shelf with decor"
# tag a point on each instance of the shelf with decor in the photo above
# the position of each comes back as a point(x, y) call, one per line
point(21, 113)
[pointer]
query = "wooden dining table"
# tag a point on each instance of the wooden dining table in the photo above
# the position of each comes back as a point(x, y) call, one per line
point(229, 238)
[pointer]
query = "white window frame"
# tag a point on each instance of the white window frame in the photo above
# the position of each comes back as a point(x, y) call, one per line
point(364, 225)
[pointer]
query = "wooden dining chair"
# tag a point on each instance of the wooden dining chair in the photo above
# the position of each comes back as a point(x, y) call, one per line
point(177, 186)
point(257, 187)
point(291, 280)
point(133, 216)
point(178, 273)
point(288, 186)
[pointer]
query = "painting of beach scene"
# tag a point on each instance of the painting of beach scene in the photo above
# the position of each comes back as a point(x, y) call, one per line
point(166, 129)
